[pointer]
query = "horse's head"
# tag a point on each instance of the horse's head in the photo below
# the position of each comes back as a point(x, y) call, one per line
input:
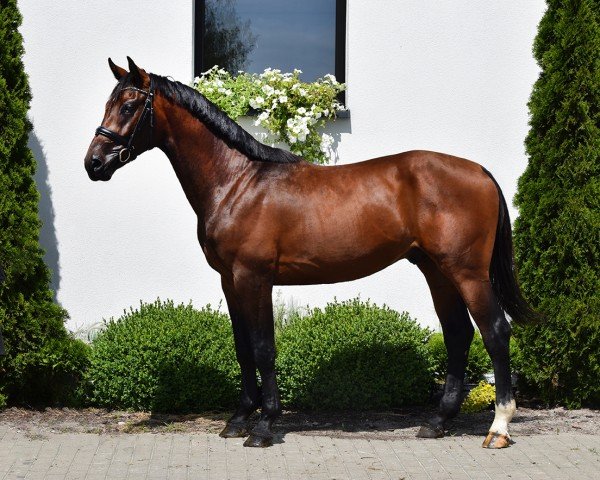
point(126, 129)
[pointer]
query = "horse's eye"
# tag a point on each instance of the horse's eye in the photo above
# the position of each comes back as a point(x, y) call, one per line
point(127, 109)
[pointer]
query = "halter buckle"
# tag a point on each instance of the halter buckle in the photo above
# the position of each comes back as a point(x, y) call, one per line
point(124, 160)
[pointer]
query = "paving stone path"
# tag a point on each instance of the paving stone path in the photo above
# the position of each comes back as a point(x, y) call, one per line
point(84, 456)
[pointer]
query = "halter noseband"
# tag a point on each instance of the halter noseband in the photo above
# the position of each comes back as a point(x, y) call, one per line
point(129, 154)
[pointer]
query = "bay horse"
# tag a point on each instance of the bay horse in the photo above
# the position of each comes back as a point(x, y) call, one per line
point(267, 217)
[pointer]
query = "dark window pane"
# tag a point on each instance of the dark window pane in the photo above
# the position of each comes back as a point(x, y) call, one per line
point(252, 35)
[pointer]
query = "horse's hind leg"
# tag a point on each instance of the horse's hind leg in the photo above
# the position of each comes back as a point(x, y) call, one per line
point(495, 331)
point(458, 334)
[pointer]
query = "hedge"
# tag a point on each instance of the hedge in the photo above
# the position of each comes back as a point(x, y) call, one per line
point(353, 355)
point(42, 361)
point(557, 241)
point(165, 358)
point(350, 355)
point(479, 360)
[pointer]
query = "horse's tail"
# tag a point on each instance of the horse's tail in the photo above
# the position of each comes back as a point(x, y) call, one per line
point(503, 274)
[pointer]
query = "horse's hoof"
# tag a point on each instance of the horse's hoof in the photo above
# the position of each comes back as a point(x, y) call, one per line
point(258, 441)
point(497, 440)
point(234, 430)
point(428, 431)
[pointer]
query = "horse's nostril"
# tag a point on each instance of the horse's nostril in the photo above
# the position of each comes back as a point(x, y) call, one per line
point(96, 163)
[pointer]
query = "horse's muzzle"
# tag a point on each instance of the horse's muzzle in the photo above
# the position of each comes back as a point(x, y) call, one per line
point(96, 164)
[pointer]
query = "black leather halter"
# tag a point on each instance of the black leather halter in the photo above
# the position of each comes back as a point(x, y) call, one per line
point(129, 153)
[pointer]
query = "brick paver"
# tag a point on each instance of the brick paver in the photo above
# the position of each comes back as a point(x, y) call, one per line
point(295, 456)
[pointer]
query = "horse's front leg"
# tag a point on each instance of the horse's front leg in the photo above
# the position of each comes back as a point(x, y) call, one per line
point(253, 296)
point(250, 397)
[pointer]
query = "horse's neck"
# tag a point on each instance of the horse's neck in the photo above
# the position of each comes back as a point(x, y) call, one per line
point(205, 166)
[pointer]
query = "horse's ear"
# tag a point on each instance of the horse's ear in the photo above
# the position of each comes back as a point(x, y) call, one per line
point(118, 72)
point(138, 75)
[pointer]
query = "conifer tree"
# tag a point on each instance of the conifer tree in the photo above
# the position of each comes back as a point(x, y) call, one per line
point(557, 234)
point(36, 340)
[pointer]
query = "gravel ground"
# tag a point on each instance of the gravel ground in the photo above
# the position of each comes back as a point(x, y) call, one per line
point(364, 425)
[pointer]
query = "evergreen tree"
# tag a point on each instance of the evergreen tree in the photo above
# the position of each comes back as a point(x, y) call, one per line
point(557, 235)
point(36, 341)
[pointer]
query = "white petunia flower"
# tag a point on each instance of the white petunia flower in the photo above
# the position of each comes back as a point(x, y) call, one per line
point(283, 99)
point(210, 70)
point(256, 102)
point(261, 118)
point(268, 90)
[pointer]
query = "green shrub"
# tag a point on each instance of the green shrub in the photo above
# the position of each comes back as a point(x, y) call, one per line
point(353, 355)
point(479, 399)
point(479, 360)
point(479, 363)
point(557, 245)
point(30, 321)
point(163, 357)
point(52, 374)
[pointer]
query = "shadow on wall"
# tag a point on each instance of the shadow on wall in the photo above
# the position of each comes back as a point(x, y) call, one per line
point(48, 239)
point(335, 129)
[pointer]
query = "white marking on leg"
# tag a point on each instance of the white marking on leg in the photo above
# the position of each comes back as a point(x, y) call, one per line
point(504, 414)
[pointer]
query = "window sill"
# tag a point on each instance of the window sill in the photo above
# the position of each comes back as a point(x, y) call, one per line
point(252, 113)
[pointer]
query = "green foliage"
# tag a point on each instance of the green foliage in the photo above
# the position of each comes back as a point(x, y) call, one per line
point(557, 241)
point(29, 319)
point(291, 110)
point(479, 399)
point(51, 375)
point(163, 357)
point(479, 360)
point(353, 355)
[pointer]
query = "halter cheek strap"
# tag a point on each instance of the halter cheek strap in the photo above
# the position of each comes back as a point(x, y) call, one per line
point(129, 153)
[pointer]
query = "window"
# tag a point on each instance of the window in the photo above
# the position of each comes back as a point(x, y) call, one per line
point(252, 35)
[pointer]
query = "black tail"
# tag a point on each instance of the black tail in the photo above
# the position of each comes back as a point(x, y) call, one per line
point(503, 274)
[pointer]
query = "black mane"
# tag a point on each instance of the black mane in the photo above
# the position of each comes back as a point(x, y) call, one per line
point(219, 123)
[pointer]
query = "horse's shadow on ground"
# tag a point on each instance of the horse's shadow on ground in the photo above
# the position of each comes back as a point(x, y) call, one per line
point(402, 423)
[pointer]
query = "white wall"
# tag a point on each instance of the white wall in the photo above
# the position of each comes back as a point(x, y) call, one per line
point(452, 76)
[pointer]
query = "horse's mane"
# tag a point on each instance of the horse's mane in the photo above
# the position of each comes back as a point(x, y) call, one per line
point(216, 121)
